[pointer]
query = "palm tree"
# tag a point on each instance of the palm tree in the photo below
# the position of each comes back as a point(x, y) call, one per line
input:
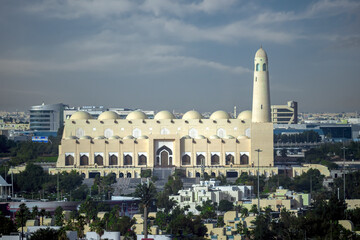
point(35, 213)
point(244, 212)
point(42, 215)
point(146, 192)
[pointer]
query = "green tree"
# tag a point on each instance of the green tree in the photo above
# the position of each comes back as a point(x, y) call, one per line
point(146, 192)
point(45, 234)
point(225, 205)
point(7, 226)
point(42, 214)
point(89, 208)
point(173, 185)
point(21, 216)
point(59, 216)
point(207, 210)
point(244, 212)
point(163, 201)
point(98, 226)
point(262, 228)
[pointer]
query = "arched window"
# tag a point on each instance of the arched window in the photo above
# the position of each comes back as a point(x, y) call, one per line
point(264, 67)
point(244, 159)
point(127, 160)
point(113, 160)
point(79, 132)
point(229, 159)
point(185, 160)
point(84, 160)
point(128, 175)
point(200, 159)
point(213, 174)
point(142, 160)
point(257, 67)
point(121, 175)
point(99, 160)
point(69, 160)
point(197, 174)
point(136, 133)
point(221, 133)
point(215, 159)
point(108, 133)
point(193, 133)
point(164, 131)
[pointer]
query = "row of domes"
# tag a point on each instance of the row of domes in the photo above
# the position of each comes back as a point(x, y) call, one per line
point(146, 137)
point(245, 115)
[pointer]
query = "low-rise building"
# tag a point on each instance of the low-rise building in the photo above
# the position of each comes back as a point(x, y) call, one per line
point(210, 190)
point(282, 199)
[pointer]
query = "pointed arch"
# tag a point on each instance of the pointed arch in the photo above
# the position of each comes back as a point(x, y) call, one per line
point(127, 159)
point(69, 160)
point(99, 160)
point(164, 148)
point(200, 159)
point(113, 160)
point(257, 67)
point(185, 160)
point(264, 67)
point(215, 159)
point(84, 160)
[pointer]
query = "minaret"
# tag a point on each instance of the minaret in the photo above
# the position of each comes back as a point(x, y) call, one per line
point(261, 90)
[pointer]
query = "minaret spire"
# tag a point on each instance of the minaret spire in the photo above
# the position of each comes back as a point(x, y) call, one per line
point(261, 91)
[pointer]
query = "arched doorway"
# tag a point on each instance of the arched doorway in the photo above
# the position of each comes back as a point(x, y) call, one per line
point(164, 157)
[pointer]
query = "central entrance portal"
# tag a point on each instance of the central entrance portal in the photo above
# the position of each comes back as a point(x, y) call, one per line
point(164, 157)
point(164, 154)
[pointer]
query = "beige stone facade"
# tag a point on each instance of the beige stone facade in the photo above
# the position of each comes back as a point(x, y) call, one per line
point(218, 145)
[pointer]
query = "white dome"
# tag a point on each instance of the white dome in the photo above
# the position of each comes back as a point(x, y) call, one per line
point(219, 115)
point(136, 115)
point(85, 137)
point(164, 115)
point(143, 137)
point(71, 137)
point(241, 137)
point(192, 115)
point(99, 137)
point(245, 115)
point(129, 137)
point(214, 137)
point(81, 115)
point(108, 115)
point(114, 137)
point(229, 137)
point(186, 137)
point(200, 137)
point(261, 53)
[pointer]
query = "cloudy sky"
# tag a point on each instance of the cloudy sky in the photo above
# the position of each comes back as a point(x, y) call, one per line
point(178, 55)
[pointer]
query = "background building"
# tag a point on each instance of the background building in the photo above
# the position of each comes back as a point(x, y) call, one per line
point(46, 118)
point(285, 114)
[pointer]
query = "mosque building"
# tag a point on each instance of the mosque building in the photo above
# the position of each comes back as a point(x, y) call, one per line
point(217, 145)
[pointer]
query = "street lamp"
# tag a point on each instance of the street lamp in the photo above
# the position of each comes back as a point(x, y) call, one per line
point(344, 148)
point(258, 178)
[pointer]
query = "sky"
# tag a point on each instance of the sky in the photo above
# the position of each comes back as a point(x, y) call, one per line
point(178, 55)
